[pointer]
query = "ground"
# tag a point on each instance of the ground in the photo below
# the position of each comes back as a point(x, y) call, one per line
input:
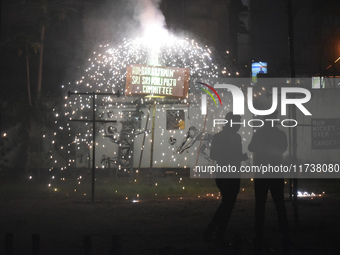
point(160, 225)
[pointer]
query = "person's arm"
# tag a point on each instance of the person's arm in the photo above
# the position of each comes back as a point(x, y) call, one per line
point(283, 144)
point(253, 143)
point(242, 156)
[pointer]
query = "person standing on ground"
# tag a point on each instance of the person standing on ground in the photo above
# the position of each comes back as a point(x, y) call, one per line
point(268, 145)
point(226, 150)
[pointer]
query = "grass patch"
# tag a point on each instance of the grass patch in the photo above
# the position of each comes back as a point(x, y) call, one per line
point(141, 188)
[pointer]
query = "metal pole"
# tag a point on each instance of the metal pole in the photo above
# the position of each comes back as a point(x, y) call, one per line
point(143, 143)
point(291, 38)
point(93, 94)
point(294, 133)
point(93, 145)
point(152, 140)
point(203, 131)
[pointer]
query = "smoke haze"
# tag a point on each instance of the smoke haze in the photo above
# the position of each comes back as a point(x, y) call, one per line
point(149, 15)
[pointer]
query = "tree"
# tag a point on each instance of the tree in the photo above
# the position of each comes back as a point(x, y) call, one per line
point(27, 45)
point(48, 11)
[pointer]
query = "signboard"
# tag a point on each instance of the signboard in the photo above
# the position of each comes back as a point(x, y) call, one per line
point(156, 80)
point(325, 134)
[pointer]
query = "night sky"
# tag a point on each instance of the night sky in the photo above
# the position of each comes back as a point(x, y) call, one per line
point(171, 221)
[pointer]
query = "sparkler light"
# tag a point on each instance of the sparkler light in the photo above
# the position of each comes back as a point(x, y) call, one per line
point(106, 72)
point(107, 67)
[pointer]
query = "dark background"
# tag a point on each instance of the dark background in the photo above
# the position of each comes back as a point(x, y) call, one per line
point(252, 30)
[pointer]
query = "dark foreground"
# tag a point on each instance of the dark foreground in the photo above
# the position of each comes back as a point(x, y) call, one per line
point(161, 227)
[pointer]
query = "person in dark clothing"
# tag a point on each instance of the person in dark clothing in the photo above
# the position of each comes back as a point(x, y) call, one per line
point(226, 149)
point(268, 145)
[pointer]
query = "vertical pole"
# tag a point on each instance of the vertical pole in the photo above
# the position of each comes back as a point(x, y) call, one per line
point(290, 151)
point(203, 131)
point(295, 180)
point(109, 166)
point(94, 144)
point(291, 38)
point(290, 189)
point(334, 50)
point(93, 133)
point(152, 140)
point(143, 143)
point(131, 159)
point(294, 132)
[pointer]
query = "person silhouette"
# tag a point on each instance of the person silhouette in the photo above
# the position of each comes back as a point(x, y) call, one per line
point(268, 145)
point(226, 149)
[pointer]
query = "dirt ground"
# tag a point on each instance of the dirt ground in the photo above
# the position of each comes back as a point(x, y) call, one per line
point(162, 226)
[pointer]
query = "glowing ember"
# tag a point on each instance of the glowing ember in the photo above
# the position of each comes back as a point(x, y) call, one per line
point(306, 194)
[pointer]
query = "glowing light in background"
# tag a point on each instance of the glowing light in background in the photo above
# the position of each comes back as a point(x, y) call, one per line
point(309, 195)
point(106, 72)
